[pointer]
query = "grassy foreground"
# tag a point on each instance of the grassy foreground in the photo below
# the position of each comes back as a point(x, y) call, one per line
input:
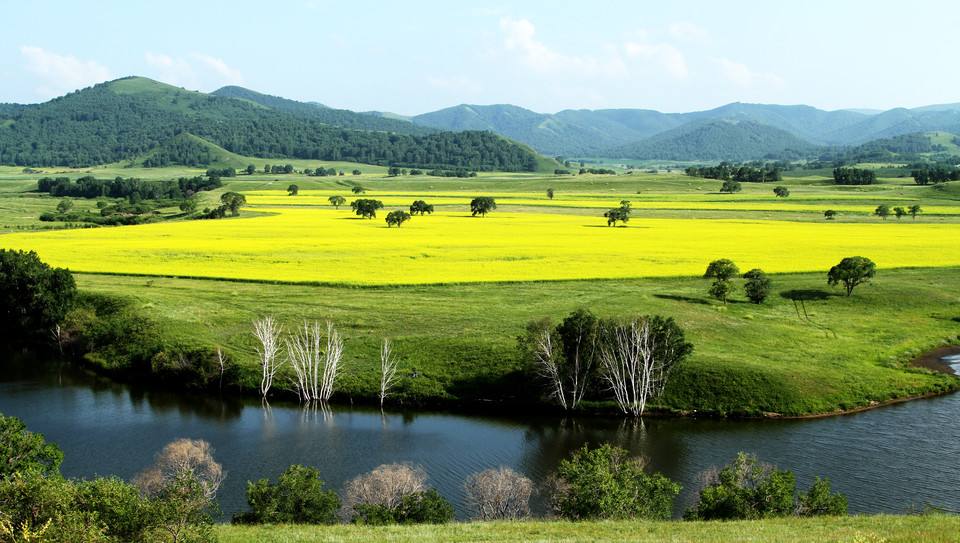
point(457, 343)
point(866, 529)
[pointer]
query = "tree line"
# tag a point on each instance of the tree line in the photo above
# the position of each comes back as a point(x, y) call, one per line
point(131, 188)
point(748, 173)
point(854, 176)
point(936, 174)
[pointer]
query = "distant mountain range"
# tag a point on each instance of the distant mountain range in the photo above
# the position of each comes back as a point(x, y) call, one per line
point(623, 133)
point(130, 117)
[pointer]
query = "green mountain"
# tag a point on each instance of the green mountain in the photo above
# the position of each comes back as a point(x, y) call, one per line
point(917, 147)
point(185, 149)
point(335, 117)
point(899, 121)
point(717, 140)
point(123, 119)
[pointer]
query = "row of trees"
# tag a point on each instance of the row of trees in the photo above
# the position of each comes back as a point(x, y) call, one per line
point(724, 271)
point(134, 190)
point(883, 211)
point(936, 174)
point(750, 173)
point(854, 176)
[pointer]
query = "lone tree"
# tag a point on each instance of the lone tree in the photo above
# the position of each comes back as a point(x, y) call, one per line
point(65, 205)
point(829, 214)
point(34, 298)
point(781, 192)
point(293, 190)
point(617, 214)
point(357, 189)
point(419, 207)
point(914, 210)
point(899, 212)
point(757, 287)
point(882, 211)
point(550, 194)
point(852, 271)
point(397, 218)
point(337, 201)
point(251, 169)
point(730, 186)
point(482, 205)
point(721, 271)
point(233, 201)
point(366, 208)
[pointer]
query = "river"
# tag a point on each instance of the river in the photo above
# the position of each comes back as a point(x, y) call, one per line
point(894, 459)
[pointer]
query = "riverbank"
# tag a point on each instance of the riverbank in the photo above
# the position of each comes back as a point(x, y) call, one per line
point(806, 351)
point(856, 529)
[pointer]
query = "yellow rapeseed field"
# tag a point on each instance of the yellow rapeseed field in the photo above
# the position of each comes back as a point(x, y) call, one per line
point(324, 245)
point(701, 202)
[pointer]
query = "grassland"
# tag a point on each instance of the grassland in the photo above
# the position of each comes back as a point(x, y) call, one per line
point(471, 284)
point(866, 529)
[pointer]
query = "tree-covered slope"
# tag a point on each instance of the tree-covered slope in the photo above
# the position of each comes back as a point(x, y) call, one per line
point(717, 140)
point(126, 118)
point(335, 117)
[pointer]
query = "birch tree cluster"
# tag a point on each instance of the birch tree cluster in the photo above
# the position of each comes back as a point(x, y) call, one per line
point(628, 360)
point(314, 354)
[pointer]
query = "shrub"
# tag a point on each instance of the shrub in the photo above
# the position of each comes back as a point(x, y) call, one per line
point(605, 483)
point(499, 494)
point(423, 507)
point(820, 501)
point(745, 489)
point(297, 497)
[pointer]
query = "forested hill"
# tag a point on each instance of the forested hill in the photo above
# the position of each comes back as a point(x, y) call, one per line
point(123, 119)
point(335, 117)
point(718, 140)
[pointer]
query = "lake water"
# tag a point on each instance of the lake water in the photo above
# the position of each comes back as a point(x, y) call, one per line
point(894, 459)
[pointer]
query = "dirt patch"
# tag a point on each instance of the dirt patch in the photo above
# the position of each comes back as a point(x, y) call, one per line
point(933, 360)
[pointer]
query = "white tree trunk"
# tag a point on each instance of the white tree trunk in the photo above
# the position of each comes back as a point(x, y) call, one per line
point(388, 370)
point(267, 331)
point(331, 363)
point(630, 368)
point(547, 366)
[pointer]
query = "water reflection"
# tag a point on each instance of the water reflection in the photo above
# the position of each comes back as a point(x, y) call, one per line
point(891, 459)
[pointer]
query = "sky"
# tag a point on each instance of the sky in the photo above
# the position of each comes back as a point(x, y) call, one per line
point(417, 56)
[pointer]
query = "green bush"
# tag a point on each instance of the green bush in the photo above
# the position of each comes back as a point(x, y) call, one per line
point(297, 497)
point(23, 451)
point(748, 489)
point(424, 507)
point(605, 483)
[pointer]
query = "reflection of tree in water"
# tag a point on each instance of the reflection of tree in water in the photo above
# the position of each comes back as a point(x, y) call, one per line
point(552, 440)
point(198, 405)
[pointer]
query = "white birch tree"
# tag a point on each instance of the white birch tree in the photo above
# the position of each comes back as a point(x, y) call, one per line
point(267, 331)
point(388, 370)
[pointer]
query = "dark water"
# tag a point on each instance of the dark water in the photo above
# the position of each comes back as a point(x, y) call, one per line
point(893, 459)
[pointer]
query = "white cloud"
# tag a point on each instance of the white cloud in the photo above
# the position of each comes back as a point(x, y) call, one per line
point(740, 74)
point(667, 56)
point(519, 36)
point(687, 31)
point(196, 71)
point(61, 73)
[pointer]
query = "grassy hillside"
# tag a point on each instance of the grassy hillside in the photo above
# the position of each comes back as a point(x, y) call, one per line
point(202, 153)
point(872, 529)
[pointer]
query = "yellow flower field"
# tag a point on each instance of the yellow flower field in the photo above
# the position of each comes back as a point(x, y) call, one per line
point(701, 202)
point(324, 245)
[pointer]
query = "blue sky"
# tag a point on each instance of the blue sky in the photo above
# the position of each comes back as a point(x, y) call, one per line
point(416, 56)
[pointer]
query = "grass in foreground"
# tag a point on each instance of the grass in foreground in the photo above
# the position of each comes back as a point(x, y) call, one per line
point(823, 353)
point(865, 529)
